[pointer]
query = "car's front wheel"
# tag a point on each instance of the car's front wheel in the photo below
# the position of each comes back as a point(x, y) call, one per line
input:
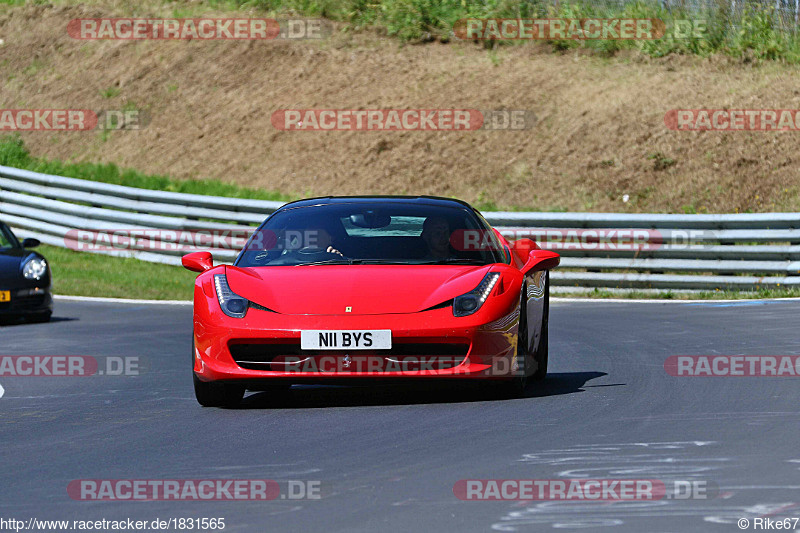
point(541, 354)
point(515, 386)
point(211, 394)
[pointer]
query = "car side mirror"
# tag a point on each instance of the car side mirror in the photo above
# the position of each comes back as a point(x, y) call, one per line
point(30, 243)
point(522, 249)
point(541, 260)
point(197, 261)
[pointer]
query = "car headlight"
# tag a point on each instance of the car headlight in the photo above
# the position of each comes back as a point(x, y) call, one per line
point(231, 303)
point(468, 303)
point(34, 268)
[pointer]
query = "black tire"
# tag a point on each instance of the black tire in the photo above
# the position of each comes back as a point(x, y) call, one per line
point(541, 354)
point(276, 387)
point(515, 386)
point(210, 394)
point(217, 394)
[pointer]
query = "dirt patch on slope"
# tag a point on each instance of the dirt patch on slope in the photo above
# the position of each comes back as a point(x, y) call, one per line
point(600, 133)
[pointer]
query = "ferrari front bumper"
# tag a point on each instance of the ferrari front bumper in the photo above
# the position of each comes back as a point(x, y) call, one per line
point(265, 346)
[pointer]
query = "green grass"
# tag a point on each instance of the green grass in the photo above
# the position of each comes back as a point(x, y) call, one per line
point(87, 274)
point(13, 153)
point(111, 92)
point(756, 34)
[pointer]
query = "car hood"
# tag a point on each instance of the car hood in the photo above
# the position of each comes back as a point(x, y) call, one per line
point(366, 289)
point(9, 262)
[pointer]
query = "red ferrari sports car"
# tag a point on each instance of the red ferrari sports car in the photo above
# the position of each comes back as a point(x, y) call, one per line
point(348, 288)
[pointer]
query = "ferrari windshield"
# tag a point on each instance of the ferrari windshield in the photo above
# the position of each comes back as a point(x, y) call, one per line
point(380, 232)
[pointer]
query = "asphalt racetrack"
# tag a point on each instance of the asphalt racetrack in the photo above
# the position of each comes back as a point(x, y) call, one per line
point(387, 458)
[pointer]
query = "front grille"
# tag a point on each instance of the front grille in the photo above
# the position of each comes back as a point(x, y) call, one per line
point(401, 357)
point(26, 303)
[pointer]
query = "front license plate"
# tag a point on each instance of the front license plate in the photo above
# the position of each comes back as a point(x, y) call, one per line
point(5, 296)
point(373, 339)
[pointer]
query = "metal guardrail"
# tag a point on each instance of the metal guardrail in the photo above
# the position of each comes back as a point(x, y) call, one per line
point(738, 251)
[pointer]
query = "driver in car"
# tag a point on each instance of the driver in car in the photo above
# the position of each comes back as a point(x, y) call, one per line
point(436, 234)
point(321, 239)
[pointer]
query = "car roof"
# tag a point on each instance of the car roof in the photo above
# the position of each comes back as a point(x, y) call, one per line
point(419, 200)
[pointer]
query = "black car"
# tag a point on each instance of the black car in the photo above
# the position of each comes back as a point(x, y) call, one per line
point(24, 279)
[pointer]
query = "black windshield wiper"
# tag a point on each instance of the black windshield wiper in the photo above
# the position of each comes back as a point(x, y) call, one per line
point(382, 262)
point(328, 262)
point(455, 261)
point(448, 261)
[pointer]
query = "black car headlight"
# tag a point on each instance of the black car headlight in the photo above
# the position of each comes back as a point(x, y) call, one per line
point(34, 268)
point(231, 303)
point(469, 303)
